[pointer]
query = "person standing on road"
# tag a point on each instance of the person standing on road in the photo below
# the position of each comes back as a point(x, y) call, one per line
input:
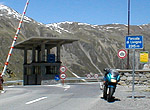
point(1, 82)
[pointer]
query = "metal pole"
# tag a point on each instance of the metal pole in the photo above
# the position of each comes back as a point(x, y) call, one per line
point(63, 81)
point(133, 73)
point(122, 64)
point(128, 17)
point(128, 32)
point(15, 38)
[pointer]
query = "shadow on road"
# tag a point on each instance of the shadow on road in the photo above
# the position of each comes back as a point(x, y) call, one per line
point(137, 97)
point(113, 100)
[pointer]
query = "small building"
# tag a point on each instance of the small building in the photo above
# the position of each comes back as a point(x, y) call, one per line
point(44, 65)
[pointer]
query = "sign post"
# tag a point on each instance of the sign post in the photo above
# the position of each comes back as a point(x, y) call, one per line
point(133, 42)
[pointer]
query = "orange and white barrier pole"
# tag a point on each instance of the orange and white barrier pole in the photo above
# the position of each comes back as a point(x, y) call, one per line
point(15, 38)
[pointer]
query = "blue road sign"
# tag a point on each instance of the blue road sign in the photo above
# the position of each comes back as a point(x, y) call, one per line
point(134, 42)
point(57, 78)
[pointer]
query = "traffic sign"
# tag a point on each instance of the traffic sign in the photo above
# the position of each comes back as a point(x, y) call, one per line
point(63, 69)
point(63, 76)
point(88, 76)
point(144, 56)
point(57, 78)
point(96, 76)
point(122, 53)
point(134, 42)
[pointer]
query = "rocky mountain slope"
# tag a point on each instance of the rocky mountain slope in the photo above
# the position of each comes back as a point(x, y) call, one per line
point(96, 49)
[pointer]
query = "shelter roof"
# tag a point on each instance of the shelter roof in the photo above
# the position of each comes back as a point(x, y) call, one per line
point(48, 41)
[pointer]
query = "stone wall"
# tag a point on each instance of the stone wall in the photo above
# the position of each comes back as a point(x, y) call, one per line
point(142, 78)
point(49, 82)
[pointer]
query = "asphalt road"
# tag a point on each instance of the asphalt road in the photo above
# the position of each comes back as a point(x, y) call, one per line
point(72, 97)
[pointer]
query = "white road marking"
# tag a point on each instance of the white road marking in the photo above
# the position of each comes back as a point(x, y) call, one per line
point(57, 85)
point(66, 87)
point(36, 100)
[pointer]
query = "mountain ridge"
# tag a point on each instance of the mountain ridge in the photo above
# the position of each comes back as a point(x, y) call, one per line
point(96, 49)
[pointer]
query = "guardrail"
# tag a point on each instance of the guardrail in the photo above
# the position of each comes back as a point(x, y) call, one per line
point(130, 70)
point(84, 79)
point(69, 79)
point(11, 82)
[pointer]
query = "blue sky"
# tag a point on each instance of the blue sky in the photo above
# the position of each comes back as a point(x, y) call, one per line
point(86, 11)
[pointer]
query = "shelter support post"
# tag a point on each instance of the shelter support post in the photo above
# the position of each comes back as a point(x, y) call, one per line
point(43, 52)
point(58, 58)
point(48, 52)
point(33, 59)
point(25, 68)
point(33, 54)
point(43, 69)
point(58, 53)
point(38, 56)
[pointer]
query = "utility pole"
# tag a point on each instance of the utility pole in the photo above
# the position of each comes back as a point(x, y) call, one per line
point(128, 32)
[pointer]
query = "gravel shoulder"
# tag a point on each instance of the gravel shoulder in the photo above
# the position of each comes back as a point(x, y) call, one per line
point(123, 100)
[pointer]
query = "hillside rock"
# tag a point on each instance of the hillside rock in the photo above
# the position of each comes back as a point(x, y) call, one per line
point(96, 49)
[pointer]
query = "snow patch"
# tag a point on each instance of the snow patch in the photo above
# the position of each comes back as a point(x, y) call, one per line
point(66, 22)
point(83, 24)
point(57, 27)
point(141, 27)
point(10, 12)
point(145, 24)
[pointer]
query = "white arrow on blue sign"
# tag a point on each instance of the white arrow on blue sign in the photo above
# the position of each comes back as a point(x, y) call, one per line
point(134, 42)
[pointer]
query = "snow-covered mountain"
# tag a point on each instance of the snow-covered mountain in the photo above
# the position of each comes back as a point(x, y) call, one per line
point(96, 49)
point(10, 13)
